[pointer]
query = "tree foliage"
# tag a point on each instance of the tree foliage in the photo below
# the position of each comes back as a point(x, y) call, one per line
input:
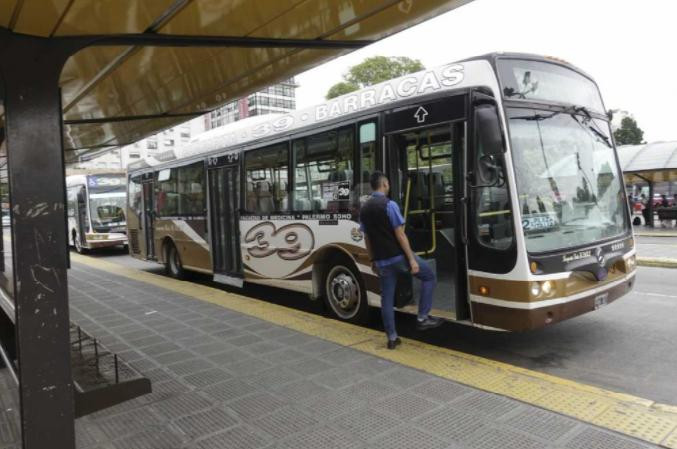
point(629, 133)
point(372, 71)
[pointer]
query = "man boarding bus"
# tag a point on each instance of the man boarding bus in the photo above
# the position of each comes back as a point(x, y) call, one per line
point(388, 246)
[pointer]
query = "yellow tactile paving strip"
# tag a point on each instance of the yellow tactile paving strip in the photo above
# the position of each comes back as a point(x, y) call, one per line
point(630, 415)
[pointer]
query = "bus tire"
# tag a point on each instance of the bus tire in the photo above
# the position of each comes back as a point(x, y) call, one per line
point(173, 266)
point(78, 245)
point(344, 293)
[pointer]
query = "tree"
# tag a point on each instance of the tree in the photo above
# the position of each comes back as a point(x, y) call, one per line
point(373, 71)
point(629, 133)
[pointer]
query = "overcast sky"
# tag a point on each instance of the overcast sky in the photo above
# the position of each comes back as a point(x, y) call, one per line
point(628, 47)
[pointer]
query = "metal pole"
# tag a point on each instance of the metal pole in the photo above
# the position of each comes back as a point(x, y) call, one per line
point(30, 68)
point(650, 205)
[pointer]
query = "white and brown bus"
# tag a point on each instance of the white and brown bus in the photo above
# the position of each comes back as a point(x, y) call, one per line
point(503, 166)
point(96, 205)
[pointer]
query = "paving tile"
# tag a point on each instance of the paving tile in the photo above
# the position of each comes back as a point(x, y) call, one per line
point(182, 405)
point(324, 437)
point(205, 422)
point(300, 390)
point(247, 367)
point(441, 390)
point(450, 423)
point(153, 438)
point(207, 377)
point(190, 366)
point(403, 377)
point(274, 377)
point(405, 405)
point(371, 390)
point(541, 423)
point(229, 390)
point(405, 437)
point(255, 405)
point(338, 377)
point(309, 367)
point(287, 355)
point(486, 405)
point(592, 438)
point(230, 356)
point(503, 438)
point(367, 424)
point(284, 422)
point(236, 438)
point(126, 423)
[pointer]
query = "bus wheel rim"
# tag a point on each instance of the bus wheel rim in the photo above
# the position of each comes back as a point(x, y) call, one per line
point(343, 292)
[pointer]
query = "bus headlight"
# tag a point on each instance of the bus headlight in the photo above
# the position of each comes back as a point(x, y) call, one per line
point(546, 287)
point(535, 289)
point(631, 263)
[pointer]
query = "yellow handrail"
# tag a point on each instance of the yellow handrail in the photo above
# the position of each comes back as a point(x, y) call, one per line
point(407, 212)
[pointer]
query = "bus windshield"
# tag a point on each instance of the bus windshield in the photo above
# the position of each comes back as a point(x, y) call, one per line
point(568, 182)
point(107, 209)
point(547, 82)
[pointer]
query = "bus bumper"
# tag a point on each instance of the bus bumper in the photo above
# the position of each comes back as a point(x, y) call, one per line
point(106, 240)
point(522, 319)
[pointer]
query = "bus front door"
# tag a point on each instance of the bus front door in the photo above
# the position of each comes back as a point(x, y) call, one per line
point(148, 214)
point(425, 167)
point(224, 227)
point(81, 217)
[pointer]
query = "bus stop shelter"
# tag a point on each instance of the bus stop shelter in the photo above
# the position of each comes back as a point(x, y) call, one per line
point(650, 163)
point(84, 75)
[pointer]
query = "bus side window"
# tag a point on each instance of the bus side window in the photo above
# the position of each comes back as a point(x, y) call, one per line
point(266, 179)
point(323, 171)
point(367, 145)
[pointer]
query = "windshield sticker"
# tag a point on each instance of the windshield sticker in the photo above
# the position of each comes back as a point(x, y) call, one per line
point(538, 222)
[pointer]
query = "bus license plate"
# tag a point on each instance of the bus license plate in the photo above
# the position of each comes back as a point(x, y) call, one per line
point(601, 300)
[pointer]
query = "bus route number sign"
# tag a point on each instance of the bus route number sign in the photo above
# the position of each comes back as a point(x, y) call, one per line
point(540, 222)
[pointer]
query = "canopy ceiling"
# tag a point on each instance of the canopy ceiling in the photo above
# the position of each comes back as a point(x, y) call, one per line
point(655, 162)
point(116, 95)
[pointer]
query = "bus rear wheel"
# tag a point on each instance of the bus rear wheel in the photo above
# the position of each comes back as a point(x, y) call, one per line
point(344, 293)
point(173, 266)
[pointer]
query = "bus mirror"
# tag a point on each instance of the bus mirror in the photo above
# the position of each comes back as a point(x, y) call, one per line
point(490, 137)
point(488, 170)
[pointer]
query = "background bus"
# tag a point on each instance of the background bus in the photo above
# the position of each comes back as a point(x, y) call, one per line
point(96, 206)
point(503, 166)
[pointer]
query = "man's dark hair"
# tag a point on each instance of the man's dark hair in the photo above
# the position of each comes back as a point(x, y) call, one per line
point(376, 179)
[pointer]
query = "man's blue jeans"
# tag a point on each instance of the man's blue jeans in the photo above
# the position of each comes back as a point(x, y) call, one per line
point(388, 276)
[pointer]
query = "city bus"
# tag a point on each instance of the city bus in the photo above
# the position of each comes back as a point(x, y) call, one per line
point(503, 166)
point(96, 205)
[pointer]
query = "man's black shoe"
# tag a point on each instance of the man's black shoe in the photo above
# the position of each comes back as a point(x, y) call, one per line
point(429, 323)
point(392, 344)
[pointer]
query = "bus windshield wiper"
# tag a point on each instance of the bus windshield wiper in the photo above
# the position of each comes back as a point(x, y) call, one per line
point(587, 124)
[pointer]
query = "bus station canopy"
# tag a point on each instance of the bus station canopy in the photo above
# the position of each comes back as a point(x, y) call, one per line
point(154, 63)
point(651, 162)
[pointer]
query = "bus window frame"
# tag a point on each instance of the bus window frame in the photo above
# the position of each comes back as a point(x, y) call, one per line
point(486, 258)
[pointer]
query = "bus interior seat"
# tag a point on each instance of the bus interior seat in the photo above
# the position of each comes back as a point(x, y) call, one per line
point(301, 204)
point(265, 197)
point(251, 197)
point(280, 195)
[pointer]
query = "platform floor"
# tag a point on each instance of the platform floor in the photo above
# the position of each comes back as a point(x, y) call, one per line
point(226, 379)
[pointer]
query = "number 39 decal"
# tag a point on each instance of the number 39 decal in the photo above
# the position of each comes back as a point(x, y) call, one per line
point(290, 242)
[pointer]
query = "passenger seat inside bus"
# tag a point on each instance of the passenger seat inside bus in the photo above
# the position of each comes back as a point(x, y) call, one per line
point(265, 197)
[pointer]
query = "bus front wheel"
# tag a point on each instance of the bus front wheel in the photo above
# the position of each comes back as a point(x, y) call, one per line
point(344, 292)
point(78, 245)
point(173, 266)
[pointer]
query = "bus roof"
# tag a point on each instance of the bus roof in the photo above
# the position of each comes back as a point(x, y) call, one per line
point(444, 78)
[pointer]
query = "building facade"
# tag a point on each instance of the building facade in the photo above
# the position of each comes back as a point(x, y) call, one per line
point(278, 98)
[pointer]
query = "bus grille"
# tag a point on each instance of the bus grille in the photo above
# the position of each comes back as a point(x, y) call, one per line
point(134, 240)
